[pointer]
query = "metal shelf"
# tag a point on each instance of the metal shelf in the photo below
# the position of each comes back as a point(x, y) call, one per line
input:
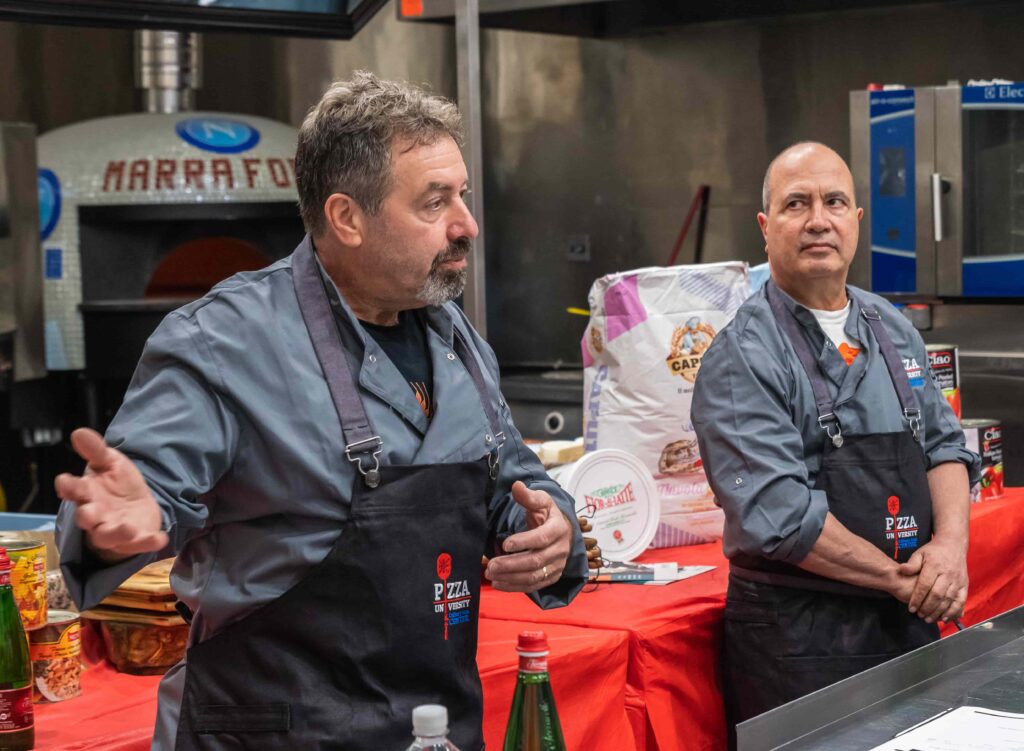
point(615, 18)
point(194, 16)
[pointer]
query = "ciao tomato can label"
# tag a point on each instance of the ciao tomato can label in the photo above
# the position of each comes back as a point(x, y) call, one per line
point(56, 664)
point(944, 364)
point(28, 579)
point(985, 438)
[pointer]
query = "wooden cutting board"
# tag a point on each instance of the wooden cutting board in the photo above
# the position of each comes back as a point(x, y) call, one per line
point(149, 589)
point(159, 603)
point(152, 581)
point(105, 613)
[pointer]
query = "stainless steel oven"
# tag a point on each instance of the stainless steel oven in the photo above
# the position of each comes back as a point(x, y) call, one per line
point(940, 173)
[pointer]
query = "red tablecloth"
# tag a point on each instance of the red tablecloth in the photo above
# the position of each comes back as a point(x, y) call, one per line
point(673, 694)
point(674, 631)
point(588, 677)
point(633, 667)
point(994, 561)
point(116, 711)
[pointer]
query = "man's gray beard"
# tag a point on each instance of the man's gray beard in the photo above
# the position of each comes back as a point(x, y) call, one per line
point(441, 286)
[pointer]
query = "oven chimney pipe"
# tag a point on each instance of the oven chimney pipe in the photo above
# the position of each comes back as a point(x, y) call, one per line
point(168, 69)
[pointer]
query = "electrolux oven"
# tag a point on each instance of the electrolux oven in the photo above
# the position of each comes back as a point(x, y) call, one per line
point(939, 171)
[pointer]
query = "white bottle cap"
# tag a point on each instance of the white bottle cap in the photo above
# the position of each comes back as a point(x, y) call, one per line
point(429, 720)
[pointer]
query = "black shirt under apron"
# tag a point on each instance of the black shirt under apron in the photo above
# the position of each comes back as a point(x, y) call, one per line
point(405, 344)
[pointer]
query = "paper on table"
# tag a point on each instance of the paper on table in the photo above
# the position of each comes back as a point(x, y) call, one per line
point(684, 572)
point(963, 729)
point(645, 573)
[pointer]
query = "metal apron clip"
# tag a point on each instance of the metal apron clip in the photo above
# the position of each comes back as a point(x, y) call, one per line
point(870, 314)
point(913, 416)
point(374, 445)
point(837, 437)
point(493, 460)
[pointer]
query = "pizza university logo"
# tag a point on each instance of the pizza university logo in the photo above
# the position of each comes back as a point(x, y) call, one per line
point(915, 373)
point(451, 598)
point(901, 530)
point(689, 343)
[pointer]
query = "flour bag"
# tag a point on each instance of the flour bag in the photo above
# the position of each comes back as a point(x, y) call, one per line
point(642, 349)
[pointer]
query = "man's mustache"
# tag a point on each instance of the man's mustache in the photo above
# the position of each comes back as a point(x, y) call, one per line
point(456, 251)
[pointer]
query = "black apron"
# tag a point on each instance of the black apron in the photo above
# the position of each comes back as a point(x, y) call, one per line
point(789, 632)
point(387, 621)
point(877, 483)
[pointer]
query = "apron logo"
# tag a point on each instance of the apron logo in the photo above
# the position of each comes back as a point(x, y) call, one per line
point(689, 343)
point(902, 530)
point(451, 598)
point(915, 373)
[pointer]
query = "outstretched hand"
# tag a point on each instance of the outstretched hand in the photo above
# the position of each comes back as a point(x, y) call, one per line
point(116, 509)
point(535, 558)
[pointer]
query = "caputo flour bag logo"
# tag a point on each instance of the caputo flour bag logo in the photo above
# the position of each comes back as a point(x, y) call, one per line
point(451, 598)
point(689, 343)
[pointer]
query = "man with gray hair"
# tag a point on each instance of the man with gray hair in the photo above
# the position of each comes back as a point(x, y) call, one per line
point(324, 445)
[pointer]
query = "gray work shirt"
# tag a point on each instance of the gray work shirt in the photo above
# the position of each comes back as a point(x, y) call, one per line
point(756, 421)
point(230, 421)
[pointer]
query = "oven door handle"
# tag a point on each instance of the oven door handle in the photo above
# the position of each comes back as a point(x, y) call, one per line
point(940, 186)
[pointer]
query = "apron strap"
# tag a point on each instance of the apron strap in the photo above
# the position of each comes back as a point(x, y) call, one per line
point(361, 443)
point(822, 400)
point(473, 367)
point(894, 364)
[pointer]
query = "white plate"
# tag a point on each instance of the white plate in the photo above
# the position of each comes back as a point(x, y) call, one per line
point(617, 493)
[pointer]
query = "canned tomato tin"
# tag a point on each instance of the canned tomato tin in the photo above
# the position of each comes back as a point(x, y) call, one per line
point(944, 364)
point(985, 437)
point(28, 579)
point(55, 650)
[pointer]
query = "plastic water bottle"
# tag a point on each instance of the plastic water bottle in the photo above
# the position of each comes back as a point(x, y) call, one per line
point(430, 726)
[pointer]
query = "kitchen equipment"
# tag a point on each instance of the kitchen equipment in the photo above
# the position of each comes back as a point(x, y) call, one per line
point(939, 171)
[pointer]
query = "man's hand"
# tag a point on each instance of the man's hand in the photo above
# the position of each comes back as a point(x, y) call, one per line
point(116, 509)
point(941, 589)
point(535, 558)
point(902, 584)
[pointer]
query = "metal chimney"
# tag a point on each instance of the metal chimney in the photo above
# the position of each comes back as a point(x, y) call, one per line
point(168, 68)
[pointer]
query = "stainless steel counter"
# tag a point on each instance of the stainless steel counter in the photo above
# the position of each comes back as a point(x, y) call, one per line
point(981, 666)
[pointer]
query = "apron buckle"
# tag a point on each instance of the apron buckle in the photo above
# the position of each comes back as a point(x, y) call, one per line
point(870, 314)
point(913, 416)
point(492, 463)
point(837, 437)
point(374, 445)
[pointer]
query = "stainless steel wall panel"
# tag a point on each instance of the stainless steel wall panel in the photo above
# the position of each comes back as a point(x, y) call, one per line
point(467, 57)
point(611, 139)
point(21, 264)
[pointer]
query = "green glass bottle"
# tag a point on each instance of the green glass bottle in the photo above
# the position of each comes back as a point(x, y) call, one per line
point(17, 726)
point(533, 722)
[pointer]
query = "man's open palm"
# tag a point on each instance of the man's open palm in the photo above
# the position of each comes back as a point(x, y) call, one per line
point(116, 509)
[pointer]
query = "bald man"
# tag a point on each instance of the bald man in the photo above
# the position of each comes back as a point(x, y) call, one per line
point(841, 468)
